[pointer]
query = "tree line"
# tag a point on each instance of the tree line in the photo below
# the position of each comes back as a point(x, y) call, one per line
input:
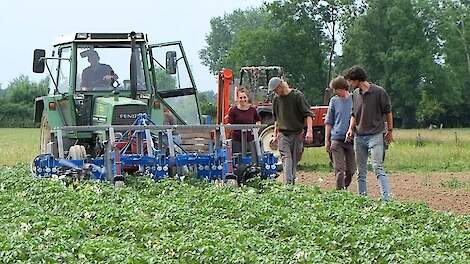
point(418, 50)
point(17, 101)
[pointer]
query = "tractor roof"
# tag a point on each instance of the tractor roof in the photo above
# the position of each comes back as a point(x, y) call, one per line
point(98, 37)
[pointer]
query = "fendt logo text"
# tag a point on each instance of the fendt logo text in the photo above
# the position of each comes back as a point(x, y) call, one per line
point(128, 116)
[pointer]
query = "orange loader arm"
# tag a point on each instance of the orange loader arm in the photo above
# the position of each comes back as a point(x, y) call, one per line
point(223, 95)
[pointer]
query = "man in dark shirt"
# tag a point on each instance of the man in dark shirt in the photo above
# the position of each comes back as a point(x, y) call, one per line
point(291, 112)
point(97, 74)
point(371, 108)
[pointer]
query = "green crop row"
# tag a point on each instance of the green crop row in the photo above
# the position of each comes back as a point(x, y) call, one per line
point(44, 221)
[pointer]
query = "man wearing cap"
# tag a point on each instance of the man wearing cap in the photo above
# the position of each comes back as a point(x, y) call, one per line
point(291, 112)
point(97, 74)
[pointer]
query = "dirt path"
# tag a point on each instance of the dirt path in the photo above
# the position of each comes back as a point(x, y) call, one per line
point(441, 191)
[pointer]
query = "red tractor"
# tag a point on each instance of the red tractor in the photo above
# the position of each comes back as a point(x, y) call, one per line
point(255, 79)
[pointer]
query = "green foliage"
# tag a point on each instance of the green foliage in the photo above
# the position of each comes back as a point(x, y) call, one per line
point(165, 81)
point(453, 183)
point(17, 101)
point(429, 109)
point(281, 33)
point(389, 41)
point(43, 221)
point(223, 31)
point(207, 105)
point(414, 49)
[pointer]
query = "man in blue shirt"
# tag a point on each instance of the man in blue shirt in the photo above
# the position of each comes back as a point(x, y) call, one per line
point(336, 126)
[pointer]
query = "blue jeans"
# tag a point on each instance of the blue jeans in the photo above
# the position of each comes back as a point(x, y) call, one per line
point(362, 146)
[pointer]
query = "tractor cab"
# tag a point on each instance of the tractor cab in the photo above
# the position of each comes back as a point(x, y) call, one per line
point(256, 78)
point(104, 79)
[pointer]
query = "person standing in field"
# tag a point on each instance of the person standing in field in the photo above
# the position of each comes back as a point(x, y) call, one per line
point(243, 113)
point(336, 126)
point(291, 112)
point(371, 108)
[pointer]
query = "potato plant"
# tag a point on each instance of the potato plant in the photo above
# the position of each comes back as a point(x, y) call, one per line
point(44, 221)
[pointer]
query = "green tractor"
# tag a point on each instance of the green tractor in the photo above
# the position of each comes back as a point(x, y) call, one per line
point(107, 79)
point(118, 105)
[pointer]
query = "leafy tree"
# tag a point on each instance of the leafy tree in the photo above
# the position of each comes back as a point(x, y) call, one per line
point(16, 102)
point(449, 77)
point(414, 49)
point(456, 32)
point(223, 31)
point(389, 41)
point(23, 91)
point(281, 33)
point(430, 109)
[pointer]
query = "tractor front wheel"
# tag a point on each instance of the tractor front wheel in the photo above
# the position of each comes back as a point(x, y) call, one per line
point(45, 136)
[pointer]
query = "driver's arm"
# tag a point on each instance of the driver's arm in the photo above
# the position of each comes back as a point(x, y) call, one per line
point(111, 74)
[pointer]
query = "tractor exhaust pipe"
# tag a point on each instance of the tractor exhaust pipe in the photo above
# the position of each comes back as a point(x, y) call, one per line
point(133, 66)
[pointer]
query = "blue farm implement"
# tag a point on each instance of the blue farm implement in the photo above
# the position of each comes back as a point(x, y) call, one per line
point(158, 153)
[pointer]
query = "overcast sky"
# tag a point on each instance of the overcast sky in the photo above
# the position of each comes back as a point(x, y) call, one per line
point(26, 25)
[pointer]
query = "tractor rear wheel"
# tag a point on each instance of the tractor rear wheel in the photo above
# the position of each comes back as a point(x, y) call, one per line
point(266, 136)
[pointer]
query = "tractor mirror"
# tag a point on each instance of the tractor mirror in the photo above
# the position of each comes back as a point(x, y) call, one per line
point(171, 62)
point(39, 60)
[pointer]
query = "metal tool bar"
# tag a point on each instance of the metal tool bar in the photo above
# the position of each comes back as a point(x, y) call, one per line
point(60, 144)
point(149, 141)
point(259, 149)
point(244, 142)
point(159, 128)
point(171, 145)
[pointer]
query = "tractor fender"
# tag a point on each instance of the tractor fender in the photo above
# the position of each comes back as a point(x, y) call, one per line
point(38, 109)
point(266, 114)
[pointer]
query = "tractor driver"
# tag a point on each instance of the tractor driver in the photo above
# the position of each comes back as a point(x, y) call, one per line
point(97, 74)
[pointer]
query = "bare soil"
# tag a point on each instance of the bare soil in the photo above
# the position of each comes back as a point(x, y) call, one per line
point(439, 190)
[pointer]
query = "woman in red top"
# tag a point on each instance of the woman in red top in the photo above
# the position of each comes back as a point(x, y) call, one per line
point(243, 113)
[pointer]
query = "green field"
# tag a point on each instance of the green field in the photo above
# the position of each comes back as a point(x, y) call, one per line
point(436, 150)
point(44, 221)
point(18, 145)
point(446, 150)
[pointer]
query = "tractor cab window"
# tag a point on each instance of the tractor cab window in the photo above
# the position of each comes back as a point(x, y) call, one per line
point(103, 68)
point(166, 80)
point(64, 70)
point(186, 108)
point(173, 80)
point(54, 66)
